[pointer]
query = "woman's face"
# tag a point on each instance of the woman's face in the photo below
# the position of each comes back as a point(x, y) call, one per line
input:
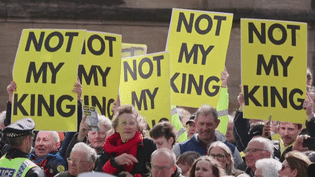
point(286, 170)
point(218, 154)
point(203, 169)
point(127, 126)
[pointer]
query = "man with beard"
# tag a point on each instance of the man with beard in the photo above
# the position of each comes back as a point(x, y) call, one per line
point(206, 122)
point(15, 162)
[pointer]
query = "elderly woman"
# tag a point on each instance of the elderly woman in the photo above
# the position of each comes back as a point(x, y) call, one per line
point(223, 155)
point(206, 166)
point(295, 165)
point(127, 151)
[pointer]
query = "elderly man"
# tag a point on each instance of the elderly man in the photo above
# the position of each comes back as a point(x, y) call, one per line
point(164, 136)
point(46, 154)
point(258, 148)
point(206, 122)
point(15, 162)
point(82, 159)
point(96, 139)
point(163, 163)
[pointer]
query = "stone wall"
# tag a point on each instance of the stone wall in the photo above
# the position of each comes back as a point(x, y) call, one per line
point(138, 21)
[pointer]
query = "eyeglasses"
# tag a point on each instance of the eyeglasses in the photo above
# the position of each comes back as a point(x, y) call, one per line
point(160, 167)
point(76, 161)
point(218, 156)
point(253, 150)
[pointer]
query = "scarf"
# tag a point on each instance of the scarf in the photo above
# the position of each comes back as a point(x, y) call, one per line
point(114, 147)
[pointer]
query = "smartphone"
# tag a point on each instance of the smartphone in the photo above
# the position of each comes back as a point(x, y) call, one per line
point(309, 143)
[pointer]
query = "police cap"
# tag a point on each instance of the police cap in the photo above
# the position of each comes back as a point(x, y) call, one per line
point(19, 128)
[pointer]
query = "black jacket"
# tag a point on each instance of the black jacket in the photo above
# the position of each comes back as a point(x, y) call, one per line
point(145, 149)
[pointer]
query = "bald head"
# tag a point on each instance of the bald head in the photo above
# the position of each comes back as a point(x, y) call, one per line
point(163, 162)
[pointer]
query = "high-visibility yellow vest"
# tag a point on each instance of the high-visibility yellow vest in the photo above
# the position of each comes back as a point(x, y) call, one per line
point(181, 131)
point(16, 167)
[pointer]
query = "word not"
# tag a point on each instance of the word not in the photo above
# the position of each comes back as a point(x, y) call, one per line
point(133, 72)
point(199, 87)
point(43, 71)
point(40, 102)
point(93, 74)
point(104, 106)
point(194, 52)
point(143, 98)
point(196, 23)
point(261, 34)
point(101, 50)
point(38, 43)
point(273, 93)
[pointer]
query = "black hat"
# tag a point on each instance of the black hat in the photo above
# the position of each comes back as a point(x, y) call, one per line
point(256, 130)
point(19, 128)
point(192, 118)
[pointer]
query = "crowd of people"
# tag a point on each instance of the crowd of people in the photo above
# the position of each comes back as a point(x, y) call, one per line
point(126, 147)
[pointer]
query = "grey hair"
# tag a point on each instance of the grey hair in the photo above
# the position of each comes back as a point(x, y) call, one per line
point(207, 110)
point(90, 152)
point(269, 167)
point(268, 145)
point(103, 120)
point(166, 152)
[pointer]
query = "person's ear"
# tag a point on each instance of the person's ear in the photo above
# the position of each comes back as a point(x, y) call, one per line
point(171, 140)
point(295, 172)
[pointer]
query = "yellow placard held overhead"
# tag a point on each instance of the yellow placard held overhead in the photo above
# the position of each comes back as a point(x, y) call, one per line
point(274, 60)
point(45, 71)
point(145, 85)
point(197, 42)
point(99, 70)
point(130, 50)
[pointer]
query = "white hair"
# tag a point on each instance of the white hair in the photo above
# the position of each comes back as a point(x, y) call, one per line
point(103, 120)
point(269, 167)
point(2, 116)
point(91, 154)
point(54, 134)
point(268, 145)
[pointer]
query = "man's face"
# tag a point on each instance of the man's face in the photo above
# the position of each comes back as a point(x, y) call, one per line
point(255, 151)
point(162, 166)
point(77, 163)
point(191, 129)
point(162, 142)
point(289, 132)
point(206, 126)
point(97, 138)
point(45, 143)
point(229, 132)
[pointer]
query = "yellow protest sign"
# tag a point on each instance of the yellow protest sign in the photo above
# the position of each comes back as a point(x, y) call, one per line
point(130, 50)
point(99, 70)
point(45, 71)
point(145, 84)
point(274, 56)
point(197, 42)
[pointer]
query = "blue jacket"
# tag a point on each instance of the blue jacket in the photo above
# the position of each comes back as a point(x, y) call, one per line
point(54, 165)
point(194, 144)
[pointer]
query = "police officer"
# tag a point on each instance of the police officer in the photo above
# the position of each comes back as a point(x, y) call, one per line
point(15, 162)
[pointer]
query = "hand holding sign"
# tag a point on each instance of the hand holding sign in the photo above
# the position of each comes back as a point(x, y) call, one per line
point(84, 129)
point(224, 77)
point(240, 99)
point(308, 105)
point(10, 89)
